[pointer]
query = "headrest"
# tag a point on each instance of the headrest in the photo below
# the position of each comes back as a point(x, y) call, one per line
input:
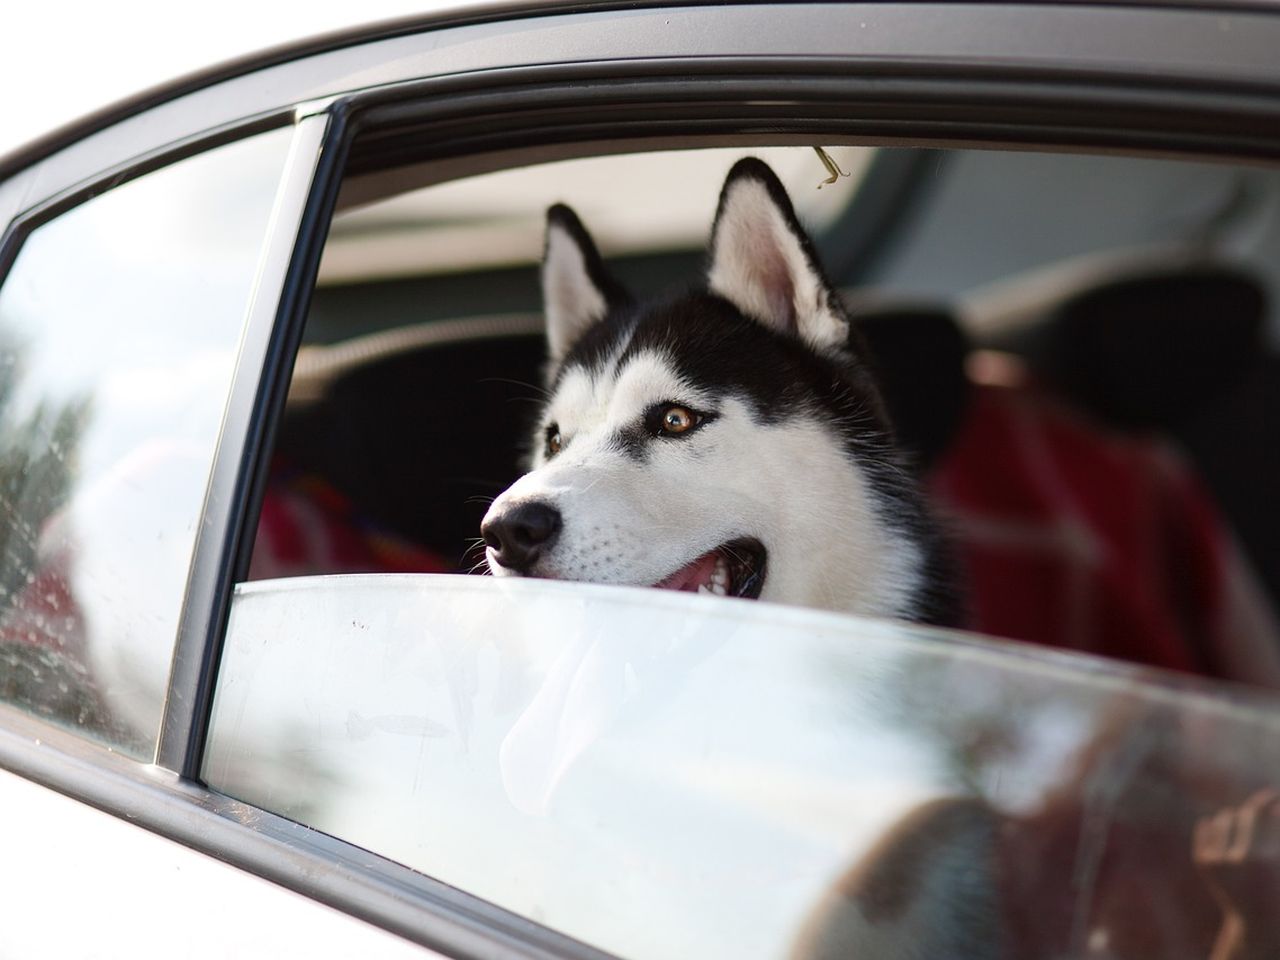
point(420, 439)
point(919, 354)
point(1148, 352)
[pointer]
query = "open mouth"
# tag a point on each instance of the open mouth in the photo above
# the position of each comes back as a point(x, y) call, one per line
point(733, 569)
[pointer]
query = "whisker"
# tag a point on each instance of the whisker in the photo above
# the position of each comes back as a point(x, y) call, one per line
point(542, 391)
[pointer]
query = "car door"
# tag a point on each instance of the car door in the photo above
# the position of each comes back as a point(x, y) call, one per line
point(549, 770)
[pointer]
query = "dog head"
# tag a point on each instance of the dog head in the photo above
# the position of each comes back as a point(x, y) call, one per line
point(729, 440)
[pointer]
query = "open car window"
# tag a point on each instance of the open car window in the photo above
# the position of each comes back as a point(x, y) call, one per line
point(1080, 376)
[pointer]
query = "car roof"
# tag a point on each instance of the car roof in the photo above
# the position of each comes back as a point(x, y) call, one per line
point(445, 13)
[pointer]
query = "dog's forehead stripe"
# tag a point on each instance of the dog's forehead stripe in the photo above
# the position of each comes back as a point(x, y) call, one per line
point(650, 377)
point(616, 394)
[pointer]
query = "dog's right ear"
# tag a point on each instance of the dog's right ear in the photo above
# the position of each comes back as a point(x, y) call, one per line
point(764, 264)
point(577, 291)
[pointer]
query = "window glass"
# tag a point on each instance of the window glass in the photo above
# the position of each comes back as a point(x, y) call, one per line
point(119, 327)
point(1079, 370)
point(663, 775)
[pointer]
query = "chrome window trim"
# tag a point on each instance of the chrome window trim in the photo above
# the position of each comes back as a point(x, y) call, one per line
point(272, 328)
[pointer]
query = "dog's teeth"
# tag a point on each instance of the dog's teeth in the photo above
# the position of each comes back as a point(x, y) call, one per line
point(704, 589)
point(719, 589)
point(720, 576)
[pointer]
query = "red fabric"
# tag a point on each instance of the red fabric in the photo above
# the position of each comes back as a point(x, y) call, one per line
point(1079, 539)
point(307, 527)
point(45, 614)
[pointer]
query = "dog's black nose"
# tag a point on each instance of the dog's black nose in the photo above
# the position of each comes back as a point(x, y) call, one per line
point(520, 534)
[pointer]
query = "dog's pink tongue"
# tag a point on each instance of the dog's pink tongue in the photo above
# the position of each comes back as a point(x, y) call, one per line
point(691, 576)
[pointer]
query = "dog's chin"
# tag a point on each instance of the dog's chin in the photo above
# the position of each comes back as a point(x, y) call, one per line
point(733, 569)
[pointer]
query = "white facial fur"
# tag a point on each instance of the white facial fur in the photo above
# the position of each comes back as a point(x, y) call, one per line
point(790, 485)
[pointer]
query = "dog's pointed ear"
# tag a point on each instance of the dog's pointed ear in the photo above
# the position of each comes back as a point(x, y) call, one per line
point(763, 263)
point(577, 290)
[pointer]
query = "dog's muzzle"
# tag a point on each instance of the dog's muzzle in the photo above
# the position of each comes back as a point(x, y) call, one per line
point(521, 534)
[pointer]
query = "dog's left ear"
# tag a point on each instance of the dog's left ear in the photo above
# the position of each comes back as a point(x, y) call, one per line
point(577, 291)
point(763, 263)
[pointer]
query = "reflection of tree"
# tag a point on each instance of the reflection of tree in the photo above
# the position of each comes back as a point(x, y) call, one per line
point(41, 643)
point(37, 460)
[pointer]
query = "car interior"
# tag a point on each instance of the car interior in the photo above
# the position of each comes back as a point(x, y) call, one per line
point(1078, 352)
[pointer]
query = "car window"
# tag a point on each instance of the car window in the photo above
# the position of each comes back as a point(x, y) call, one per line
point(119, 326)
point(661, 774)
point(682, 775)
point(1077, 353)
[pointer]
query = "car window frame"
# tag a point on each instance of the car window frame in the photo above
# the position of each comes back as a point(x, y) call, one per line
point(258, 343)
point(588, 90)
point(167, 797)
point(1219, 117)
point(273, 330)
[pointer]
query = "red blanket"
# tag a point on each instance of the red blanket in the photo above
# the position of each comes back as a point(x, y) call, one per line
point(1079, 539)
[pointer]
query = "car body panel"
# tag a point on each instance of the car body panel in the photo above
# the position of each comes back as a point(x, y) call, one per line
point(1219, 64)
point(1087, 41)
point(78, 882)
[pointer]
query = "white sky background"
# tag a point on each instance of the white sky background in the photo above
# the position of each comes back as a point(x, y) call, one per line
point(62, 59)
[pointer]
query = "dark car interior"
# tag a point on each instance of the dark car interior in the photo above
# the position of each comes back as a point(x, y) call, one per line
point(1125, 307)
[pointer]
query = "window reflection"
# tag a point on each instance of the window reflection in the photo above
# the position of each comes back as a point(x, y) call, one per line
point(119, 326)
point(667, 775)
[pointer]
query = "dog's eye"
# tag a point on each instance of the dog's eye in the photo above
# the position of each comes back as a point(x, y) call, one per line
point(678, 419)
point(553, 441)
point(672, 419)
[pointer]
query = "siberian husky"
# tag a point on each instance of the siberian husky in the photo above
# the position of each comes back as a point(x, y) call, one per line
point(729, 440)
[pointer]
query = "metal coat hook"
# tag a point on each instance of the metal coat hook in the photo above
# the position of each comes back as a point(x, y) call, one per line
point(834, 171)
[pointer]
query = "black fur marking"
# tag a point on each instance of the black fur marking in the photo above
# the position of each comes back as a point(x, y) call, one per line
point(634, 442)
point(712, 344)
point(593, 349)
